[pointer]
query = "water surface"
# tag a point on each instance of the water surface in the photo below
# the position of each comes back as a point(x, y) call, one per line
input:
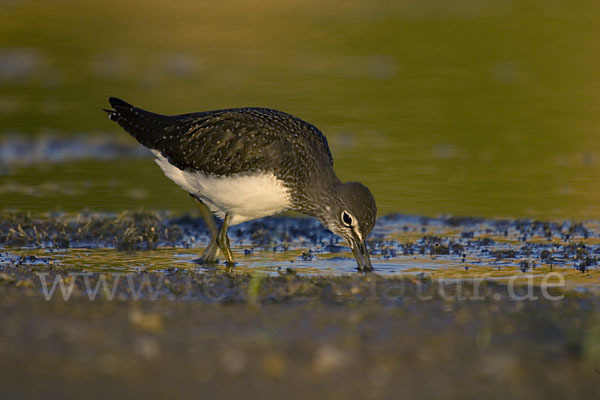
point(465, 108)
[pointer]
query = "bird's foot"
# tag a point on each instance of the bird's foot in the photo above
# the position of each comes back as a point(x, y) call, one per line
point(229, 266)
point(206, 261)
point(365, 271)
point(209, 256)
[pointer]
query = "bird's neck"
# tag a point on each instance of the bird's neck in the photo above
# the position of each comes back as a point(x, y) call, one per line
point(318, 196)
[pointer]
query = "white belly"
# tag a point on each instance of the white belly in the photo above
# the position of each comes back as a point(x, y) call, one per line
point(244, 196)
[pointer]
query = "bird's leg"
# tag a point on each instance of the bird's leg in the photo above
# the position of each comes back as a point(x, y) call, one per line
point(223, 241)
point(209, 256)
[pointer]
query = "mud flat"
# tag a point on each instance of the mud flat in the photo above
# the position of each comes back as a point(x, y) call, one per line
point(272, 329)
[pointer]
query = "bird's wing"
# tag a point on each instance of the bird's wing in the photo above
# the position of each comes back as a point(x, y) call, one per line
point(226, 141)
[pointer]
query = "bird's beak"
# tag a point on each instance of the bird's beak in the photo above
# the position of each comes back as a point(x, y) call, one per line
point(359, 248)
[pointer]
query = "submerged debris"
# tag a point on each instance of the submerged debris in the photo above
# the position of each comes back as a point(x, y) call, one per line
point(465, 242)
point(146, 230)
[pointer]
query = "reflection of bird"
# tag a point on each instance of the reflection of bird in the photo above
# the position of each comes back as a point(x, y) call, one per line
point(248, 163)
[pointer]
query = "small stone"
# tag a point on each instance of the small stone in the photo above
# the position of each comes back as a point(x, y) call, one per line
point(329, 358)
point(27, 283)
point(7, 277)
point(149, 322)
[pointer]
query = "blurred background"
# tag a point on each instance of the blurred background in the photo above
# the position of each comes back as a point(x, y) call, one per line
point(471, 107)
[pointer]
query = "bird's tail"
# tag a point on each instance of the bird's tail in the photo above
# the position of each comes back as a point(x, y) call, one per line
point(147, 127)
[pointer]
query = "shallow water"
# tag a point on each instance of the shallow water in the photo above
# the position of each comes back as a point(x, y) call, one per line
point(463, 108)
point(446, 249)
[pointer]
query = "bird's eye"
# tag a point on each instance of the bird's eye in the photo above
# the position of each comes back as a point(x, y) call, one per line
point(347, 218)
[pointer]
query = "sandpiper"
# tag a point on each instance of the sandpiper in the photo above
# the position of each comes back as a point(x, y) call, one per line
point(247, 163)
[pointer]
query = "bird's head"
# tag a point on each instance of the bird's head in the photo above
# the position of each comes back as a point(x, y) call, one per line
point(351, 214)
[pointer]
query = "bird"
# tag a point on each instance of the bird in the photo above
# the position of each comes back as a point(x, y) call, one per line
point(246, 163)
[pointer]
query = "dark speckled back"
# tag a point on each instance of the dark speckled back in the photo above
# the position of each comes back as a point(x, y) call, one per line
point(225, 142)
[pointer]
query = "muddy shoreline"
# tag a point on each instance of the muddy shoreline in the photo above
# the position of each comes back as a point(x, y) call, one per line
point(180, 330)
point(259, 336)
point(146, 230)
point(146, 324)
